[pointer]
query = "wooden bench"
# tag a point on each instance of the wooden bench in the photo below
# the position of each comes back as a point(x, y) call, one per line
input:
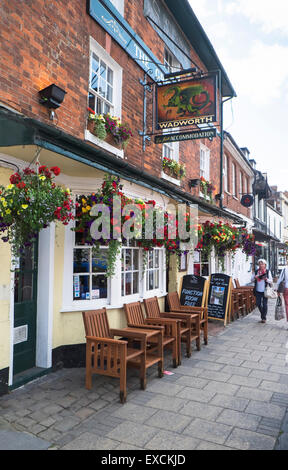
point(202, 312)
point(183, 322)
point(108, 356)
point(135, 318)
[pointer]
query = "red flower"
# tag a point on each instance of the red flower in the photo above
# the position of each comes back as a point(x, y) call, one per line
point(42, 169)
point(21, 185)
point(16, 178)
point(56, 170)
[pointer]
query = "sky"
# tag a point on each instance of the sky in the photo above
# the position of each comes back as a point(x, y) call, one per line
point(250, 37)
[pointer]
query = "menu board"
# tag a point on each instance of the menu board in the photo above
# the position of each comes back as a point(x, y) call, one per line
point(219, 296)
point(193, 291)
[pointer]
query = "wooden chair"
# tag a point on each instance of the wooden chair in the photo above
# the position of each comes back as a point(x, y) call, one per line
point(175, 306)
point(183, 322)
point(250, 298)
point(135, 318)
point(108, 356)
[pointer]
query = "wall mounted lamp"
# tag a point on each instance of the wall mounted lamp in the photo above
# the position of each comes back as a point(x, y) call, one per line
point(194, 183)
point(52, 97)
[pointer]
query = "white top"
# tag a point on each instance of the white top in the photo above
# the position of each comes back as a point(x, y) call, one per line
point(260, 285)
point(283, 275)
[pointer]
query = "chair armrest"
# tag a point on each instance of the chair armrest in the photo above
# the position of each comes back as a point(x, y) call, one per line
point(92, 339)
point(162, 321)
point(147, 327)
point(128, 334)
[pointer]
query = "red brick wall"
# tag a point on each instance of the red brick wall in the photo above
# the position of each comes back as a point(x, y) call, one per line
point(48, 42)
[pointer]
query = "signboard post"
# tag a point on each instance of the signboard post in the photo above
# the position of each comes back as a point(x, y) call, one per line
point(194, 291)
point(219, 297)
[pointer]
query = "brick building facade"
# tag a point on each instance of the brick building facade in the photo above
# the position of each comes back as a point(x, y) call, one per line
point(100, 52)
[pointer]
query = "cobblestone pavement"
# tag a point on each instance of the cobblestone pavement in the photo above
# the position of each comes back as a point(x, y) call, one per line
point(233, 394)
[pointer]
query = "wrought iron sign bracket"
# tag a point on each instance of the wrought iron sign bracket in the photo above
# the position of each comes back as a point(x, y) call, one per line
point(147, 88)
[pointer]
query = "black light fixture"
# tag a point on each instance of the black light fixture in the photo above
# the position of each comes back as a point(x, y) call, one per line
point(180, 72)
point(52, 96)
point(194, 183)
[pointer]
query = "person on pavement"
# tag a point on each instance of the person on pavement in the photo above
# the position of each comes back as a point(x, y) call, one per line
point(262, 278)
point(284, 277)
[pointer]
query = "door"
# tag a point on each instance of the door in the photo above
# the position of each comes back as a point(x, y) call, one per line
point(25, 310)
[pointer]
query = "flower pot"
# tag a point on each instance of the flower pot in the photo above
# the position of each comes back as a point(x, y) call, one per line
point(90, 126)
point(111, 141)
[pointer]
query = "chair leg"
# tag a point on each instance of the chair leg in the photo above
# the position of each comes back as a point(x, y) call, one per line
point(206, 332)
point(188, 344)
point(123, 387)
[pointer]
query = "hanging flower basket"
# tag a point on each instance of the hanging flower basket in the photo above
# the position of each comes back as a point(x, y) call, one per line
point(29, 204)
point(109, 128)
point(113, 227)
point(224, 238)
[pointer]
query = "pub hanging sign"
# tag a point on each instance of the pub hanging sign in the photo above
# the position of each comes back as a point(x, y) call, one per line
point(187, 103)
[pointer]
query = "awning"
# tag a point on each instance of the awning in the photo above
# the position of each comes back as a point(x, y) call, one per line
point(17, 131)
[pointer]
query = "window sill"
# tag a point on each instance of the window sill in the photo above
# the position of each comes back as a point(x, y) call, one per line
point(170, 179)
point(93, 305)
point(104, 145)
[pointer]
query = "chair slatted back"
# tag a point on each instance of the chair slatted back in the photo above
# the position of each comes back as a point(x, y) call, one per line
point(96, 323)
point(134, 313)
point(152, 307)
point(173, 301)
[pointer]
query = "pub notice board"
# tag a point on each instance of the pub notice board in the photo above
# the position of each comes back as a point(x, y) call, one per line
point(219, 297)
point(193, 291)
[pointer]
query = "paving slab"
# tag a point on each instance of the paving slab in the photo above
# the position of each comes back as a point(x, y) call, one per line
point(231, 395)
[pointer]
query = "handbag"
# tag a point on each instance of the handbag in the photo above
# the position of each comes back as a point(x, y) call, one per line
point(281, 287)
point(270, 293)
point(279, 310)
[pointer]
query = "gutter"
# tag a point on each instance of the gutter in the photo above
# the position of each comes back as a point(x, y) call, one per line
point(33, 132)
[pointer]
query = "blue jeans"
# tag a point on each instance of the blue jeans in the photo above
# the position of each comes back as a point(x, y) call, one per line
point(262, 304)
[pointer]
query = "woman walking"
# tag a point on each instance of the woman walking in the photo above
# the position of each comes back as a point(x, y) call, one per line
point(283, 288)
point(262, 278)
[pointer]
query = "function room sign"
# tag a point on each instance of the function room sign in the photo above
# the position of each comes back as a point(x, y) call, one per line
point(193, 291)
point(187, 103)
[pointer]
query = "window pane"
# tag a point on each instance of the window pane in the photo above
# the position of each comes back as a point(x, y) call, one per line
point(110, 76)
point(150, 282)
point(81, 261)
point(156, 252)
point(81, 288)
point(99, 287)
point(99, 261)
point(128, 260)
point(135, 259)
point(128, 284)
point(156, 279)
point(102, 88)
point(94, 73)
point(91, 101)
point(109, 93)
point(135, 283)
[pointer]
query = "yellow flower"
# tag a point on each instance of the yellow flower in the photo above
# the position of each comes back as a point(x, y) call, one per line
point(8, 211)
point(24, 206)
point(42, 178)
point(10, 186)
point(68, 191)
point(88, 208)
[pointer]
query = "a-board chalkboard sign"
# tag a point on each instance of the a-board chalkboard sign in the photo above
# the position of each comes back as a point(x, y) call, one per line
point(219, 297)
point(193, 290)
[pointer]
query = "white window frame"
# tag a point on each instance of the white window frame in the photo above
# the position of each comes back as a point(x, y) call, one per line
point(234, 182)
point(95, 48)
point(241, 192)
point(114, 298)
point(226, 174)
point(119, 5)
